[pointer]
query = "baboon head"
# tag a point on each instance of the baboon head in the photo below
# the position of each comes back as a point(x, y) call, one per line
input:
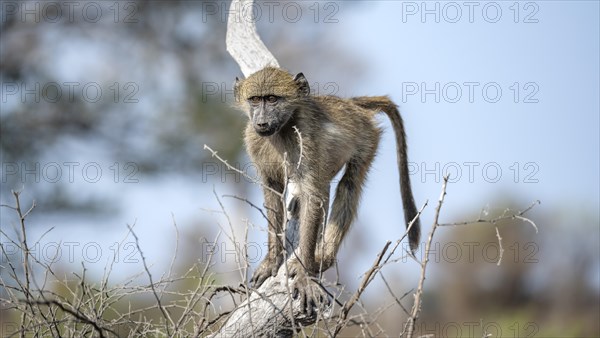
point(270, 97)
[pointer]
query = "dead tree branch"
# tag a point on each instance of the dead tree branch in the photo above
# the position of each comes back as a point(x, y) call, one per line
point(243, 42)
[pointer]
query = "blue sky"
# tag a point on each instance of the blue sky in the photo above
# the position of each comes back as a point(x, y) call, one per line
point(558, 55)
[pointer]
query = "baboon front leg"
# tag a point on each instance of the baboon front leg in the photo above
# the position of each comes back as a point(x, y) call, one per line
point(270, 264)
point(343, 210)
point(302, 265)
point(312, 211)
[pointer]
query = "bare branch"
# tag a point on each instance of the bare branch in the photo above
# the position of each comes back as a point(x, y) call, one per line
point(74, 313)
point(505, 216)
point(162, 309)
point(300, 145)
point(501, 251)
point(363, 285)
point(416, 309)
point(230, 167)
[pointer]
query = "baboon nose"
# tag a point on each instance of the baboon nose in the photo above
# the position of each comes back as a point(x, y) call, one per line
point(263, 129)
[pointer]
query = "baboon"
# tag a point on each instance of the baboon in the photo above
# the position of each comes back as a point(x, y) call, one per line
point(334, 133)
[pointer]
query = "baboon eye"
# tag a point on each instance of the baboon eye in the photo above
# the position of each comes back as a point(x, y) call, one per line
point(272, 98)
point(255, 99)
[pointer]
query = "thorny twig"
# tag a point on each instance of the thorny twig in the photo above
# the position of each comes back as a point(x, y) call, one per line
point(416, 309)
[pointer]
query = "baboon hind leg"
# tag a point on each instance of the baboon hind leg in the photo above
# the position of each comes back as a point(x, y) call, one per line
point(343, 209)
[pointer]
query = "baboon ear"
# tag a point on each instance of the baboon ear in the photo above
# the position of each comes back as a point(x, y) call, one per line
point(236, 89)
point(302, 83)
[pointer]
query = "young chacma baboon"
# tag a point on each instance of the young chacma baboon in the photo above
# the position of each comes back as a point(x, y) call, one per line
point(334, 132)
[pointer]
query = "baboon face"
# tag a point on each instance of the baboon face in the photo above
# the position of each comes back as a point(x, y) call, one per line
point(270, 97)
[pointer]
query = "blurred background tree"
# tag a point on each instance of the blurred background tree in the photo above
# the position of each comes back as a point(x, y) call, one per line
point(165, 79)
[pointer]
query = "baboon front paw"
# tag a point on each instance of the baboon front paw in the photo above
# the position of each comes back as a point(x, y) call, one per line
point(305, 289)
point(308, 293)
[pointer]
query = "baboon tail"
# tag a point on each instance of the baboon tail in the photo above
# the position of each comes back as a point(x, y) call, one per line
point(384, 104)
